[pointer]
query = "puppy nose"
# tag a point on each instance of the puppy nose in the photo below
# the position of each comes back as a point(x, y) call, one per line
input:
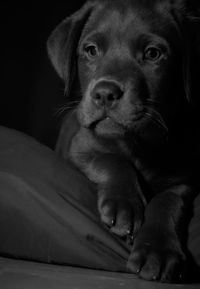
point(106, 94)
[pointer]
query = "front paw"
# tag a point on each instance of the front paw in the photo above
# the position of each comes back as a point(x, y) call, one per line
point(122, 212)
point(157, 255)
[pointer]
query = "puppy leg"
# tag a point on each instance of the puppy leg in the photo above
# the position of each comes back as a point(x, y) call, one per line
point(120, 199)
point(157, 252)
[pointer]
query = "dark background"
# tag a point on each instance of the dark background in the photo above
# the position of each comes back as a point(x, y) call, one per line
point(30, 90)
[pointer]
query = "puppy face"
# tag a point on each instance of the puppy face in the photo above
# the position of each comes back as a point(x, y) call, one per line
point(129, 65)
point(130, 59)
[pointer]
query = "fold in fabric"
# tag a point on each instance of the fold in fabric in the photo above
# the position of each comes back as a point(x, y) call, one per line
point(48, 209)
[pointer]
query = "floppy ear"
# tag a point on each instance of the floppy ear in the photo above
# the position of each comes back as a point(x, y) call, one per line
point(194, 47)
point(191, 67)
point(62, 43)
point(192, 62)
point(187, 16)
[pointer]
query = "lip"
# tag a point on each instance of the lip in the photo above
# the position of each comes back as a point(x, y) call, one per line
point(108, 128)
point(137, 117)
point(95, 122)
point(99, 120)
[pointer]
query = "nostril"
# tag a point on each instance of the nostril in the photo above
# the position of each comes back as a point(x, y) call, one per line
point(111, 97)
point(117, 94)
point(106, 94)
point(98, 96)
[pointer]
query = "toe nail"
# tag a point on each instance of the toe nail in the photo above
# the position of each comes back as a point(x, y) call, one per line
point(154, 277)
point(112, 222)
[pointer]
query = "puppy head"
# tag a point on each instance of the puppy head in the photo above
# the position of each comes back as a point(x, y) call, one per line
point(132, 61)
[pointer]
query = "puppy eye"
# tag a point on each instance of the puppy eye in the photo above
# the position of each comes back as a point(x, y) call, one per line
point(91, 50)
point(152, 54)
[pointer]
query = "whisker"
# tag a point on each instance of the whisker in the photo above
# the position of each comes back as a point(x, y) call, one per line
point(157, 116)
point(152, 101)
point(155, 112)
point(60, 110)
point(159, 121)
point(73, 102)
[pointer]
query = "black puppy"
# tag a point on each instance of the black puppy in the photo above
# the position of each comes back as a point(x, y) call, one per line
point(130, 60)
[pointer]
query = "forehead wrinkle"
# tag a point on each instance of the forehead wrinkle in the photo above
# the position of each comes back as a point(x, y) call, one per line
point(128, 21)
point(114, 22)
point(124, 24)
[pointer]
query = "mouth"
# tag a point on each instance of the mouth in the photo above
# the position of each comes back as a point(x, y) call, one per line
point(108, 127)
